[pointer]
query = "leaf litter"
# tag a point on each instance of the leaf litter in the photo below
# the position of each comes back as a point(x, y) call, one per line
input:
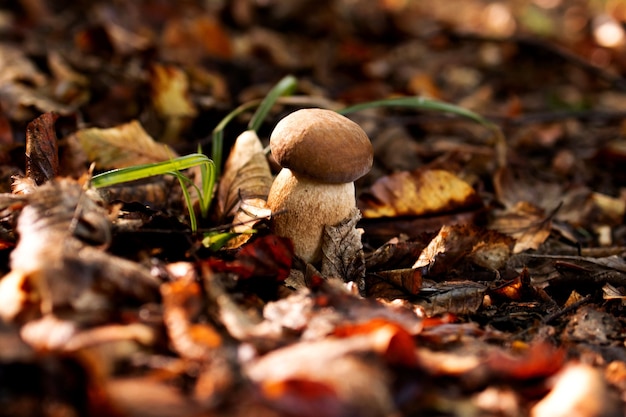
point(491, 276)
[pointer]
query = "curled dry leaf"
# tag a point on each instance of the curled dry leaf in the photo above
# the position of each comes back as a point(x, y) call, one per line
point(465, 243)
point(245, 182)
point(454, 297)
point(182, 301)
point(418, 193)
point(122, 146)
point(42, 160)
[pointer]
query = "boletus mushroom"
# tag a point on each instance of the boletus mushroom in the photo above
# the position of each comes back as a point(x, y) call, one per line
point(321, 154)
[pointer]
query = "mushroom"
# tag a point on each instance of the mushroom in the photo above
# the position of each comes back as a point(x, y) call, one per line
point(322, 153)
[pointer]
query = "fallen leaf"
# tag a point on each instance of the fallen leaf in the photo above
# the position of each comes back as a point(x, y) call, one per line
point(303, 397)
point(358, 383)
point(454, 297)
point(191, 38)
point(407, 279)
point(392, 341)
point(170, 90)
point(418, 193)
point(56, 263)
point(122, 146)
point(524, 222)
point(579, 390)
point(245, 182)
point(182, 302)
point(42, 159)
point(342, 250)
point(266, 258)
point(470, 244)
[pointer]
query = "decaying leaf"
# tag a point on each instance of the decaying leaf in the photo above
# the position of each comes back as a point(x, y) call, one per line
point(524, 222)
point(418, 193)
point(455, 244)
point(122, 146)
point(455, 297)
point(169, 92)
point(342, 250)
point(42, 159)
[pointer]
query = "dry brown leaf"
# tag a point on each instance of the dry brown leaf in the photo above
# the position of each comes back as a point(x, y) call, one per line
point(453, 244)
point(181, 304)
point(122, 146)
point(342, 250)
point(527, 224)
point(42, 155)
point(15, 65)
point(456, 297)
point(417, 193)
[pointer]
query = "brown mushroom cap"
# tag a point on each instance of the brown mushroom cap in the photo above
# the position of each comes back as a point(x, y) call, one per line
point(322, 145)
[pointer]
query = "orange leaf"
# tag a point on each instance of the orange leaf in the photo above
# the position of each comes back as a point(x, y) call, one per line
point(418, 193)
point(387, 338)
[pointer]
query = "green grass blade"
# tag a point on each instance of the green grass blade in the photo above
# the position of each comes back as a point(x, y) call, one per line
point(286, 86)
point(420, 103)
point(138, 172)
point(182, 180)
point(217, 138)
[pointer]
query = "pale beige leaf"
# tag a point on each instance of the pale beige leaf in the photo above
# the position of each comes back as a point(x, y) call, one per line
point(246, 179)
point(170, 90)
point(122, 146)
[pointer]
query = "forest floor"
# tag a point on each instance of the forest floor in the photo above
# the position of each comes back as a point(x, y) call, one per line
point(492, 275)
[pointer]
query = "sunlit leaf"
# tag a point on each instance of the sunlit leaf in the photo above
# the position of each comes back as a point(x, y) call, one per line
point(122, 146)
point(417, 193)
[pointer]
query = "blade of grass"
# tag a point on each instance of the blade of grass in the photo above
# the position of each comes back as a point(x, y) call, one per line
point(217, 137)
point(138, 172)
point(286, 86)
point(182, 180)
point(420, 103)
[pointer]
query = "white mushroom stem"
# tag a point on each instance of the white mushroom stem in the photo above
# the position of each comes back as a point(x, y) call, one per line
point(303, 207)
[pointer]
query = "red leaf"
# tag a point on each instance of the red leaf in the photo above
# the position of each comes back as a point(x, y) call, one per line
point(268, 256)
point(391, 340)
point(301, 397)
